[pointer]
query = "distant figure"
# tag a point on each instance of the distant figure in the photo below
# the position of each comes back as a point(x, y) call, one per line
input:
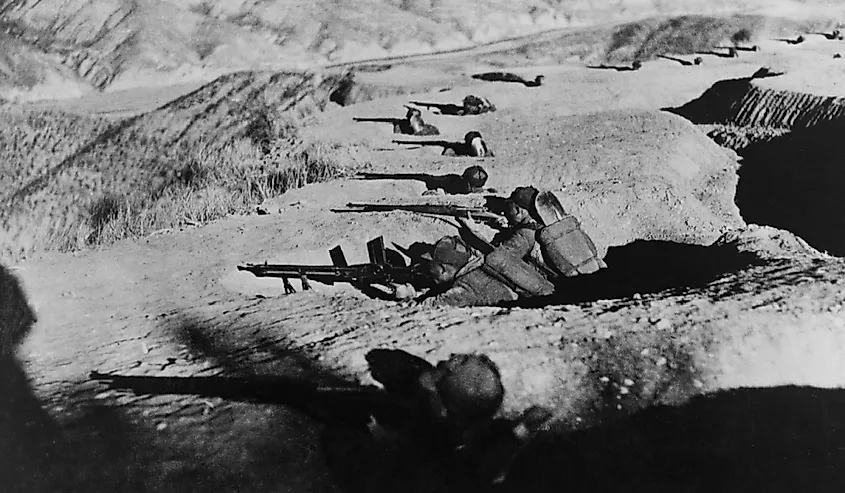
point(798, 40)
point(474, 105)
point(471, 105)
point(415, 125)
point(509, 77)
point(733, 52)
point(636, 65)
point(476, 146)
point(473, 145)
point(834, 35)
point(755, 48)
point(698, 60)
point(837, 55)
point(763, 72)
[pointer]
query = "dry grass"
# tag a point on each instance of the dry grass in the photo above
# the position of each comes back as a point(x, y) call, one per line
point(214, 152)
point(33, 142)
point(192, 182)
point(212, 184)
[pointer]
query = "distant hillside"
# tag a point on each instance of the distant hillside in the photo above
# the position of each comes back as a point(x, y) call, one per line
point(61, 48)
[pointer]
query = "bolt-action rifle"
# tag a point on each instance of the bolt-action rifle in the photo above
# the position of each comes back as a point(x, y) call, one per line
point(478, 213)
point(379, 271)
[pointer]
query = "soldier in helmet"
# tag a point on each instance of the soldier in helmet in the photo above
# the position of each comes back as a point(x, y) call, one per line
point(546, 236)
point(462, 276)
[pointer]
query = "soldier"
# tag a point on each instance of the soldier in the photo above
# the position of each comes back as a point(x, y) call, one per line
point(455, 399)
point(414, 124)
point(564, 246)
point(476, 145)
point(473, 145)
point(464, 277)
point(474, 105)
point(472, 180)
point(546, 236)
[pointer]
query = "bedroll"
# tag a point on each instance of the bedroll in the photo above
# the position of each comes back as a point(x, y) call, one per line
point(516, 274)
point(567, 249)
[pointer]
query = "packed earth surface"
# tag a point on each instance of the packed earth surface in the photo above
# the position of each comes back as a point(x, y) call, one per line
point(706, 357)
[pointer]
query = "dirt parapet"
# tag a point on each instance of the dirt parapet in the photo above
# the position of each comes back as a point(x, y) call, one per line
point(749, 102)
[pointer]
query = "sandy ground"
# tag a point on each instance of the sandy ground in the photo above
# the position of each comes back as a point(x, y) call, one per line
point(763, 313)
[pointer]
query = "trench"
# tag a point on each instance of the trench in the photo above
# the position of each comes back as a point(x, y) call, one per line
point(791, 171)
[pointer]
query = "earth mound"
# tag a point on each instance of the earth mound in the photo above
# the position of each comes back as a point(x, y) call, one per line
point(627, 175)
point(59, 205)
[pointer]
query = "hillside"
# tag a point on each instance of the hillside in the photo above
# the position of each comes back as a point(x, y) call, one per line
point(59, 48)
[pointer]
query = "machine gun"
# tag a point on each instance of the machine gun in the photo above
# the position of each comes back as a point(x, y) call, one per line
point(378, 272)
point(478, 213)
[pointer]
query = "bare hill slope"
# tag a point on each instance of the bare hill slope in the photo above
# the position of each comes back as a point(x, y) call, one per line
point(117, 44)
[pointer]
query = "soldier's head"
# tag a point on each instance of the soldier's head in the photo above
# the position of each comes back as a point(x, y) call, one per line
point(539, 79)
point(469, 387)
point(521, 209)
point(474, 140)
point(475, 178)
point(449, 255)
point(413, 113)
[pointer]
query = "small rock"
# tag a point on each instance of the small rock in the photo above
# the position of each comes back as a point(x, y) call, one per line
point(628, 382)
point(698, 384)
point(644, 352)
point(637, 296)
point(161, 426)
point(623, 390)
point(604, 379)
point(663, 324)
point(661, 361)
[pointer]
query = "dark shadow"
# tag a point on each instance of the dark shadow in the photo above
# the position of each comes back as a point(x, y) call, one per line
point(716, 104)
point(794, 182)
point(508, 77)
point(835, 35)
point(720, 54)
point(346, 403)
point(781, 439)
point(618, 68)
point(451, 183)
point(400, 125)
point(443, 108)
point(94, 449)
point(649, 267)
point(791, 41)
point(685, 63)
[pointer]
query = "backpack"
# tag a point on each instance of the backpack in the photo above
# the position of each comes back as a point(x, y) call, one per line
point(565, 246)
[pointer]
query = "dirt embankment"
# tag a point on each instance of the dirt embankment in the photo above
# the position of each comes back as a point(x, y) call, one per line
point(750, 102)
point(790, 176)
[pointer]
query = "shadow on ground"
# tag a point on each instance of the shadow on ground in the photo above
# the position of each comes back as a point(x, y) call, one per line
point(645, 267)
point(93, 450)
point(781, 439)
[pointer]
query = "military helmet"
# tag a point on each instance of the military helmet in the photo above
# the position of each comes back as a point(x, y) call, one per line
point(470, 386)
point(451, 250)
point(524, 197)
point(475, 177)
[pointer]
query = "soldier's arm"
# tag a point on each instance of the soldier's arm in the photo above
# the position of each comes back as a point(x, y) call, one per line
point(520, 242)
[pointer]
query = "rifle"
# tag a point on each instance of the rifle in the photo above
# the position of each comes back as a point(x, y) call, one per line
point(378, 271)
point(479, 213)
